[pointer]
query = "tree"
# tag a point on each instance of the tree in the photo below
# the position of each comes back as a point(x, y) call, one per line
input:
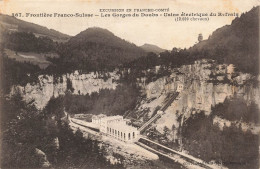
point(166, 132)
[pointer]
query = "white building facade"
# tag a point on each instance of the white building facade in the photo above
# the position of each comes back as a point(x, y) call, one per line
point(179, 87)
point(106, 121)
point(116, 127)
point(97, 119)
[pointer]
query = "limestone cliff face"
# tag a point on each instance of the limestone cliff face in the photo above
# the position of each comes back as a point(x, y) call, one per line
point(202, 85)
point(48, 86)
point(207, 84)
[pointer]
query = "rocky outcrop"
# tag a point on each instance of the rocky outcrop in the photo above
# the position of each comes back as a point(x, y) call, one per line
point(50, 86)
point(244, 126)
point(43, 158)
point(204, 84)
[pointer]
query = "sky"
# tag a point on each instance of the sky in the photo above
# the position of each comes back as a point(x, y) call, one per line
point(162, 31)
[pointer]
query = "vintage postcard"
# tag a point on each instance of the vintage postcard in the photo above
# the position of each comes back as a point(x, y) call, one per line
point(109, 84)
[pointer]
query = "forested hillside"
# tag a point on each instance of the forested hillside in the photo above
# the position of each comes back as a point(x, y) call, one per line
point(236, 44)
point(15, 73)
point(34, 139)
point(152, 48)
point(13, 24)
point(27, 42)
point(97, 48)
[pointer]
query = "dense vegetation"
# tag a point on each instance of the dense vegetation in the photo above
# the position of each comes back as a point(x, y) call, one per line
point(25, 130)
point(28, 42)
point(233, 147)
point(14, 73)
point(95, 49)
point(9, 22)
point(144, 63)
point(236, 109)
point(109, 102)
point(237, 43)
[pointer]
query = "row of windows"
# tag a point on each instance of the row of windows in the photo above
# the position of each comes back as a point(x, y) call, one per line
point(120, 134)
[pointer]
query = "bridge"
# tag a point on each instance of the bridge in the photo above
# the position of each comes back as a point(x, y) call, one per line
point(159, 112)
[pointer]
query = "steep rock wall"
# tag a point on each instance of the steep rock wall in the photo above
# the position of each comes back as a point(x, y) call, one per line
point(205, 84)
point(48, 86)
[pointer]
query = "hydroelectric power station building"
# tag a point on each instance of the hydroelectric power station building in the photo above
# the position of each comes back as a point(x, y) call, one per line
point(115, 126)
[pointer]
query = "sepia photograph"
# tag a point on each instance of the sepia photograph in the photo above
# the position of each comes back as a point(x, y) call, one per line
point(108, 84)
